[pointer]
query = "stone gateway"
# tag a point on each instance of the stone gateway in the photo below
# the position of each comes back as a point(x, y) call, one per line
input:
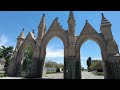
point(72, 44)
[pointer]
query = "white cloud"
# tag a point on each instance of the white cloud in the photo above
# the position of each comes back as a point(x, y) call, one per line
point(55, 53)
point(84, 58)
point(97, 58)
point(3, 40)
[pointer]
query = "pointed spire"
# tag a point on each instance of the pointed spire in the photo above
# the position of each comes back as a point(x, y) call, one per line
point(42, 22)
point(71, 17)
point(86, 21)
point(104, 21)
point(22, 35)
point(88, 29)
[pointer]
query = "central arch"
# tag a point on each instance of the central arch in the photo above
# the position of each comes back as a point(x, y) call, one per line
point(96, 38)
point(47, 37)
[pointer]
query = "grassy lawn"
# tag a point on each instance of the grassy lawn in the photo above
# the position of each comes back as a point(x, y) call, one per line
point(52, 72)
point(2, 73)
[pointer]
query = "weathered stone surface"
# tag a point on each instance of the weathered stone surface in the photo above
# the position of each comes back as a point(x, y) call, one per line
point(72, 45)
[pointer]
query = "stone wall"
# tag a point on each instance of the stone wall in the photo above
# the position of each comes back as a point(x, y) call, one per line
point(113, 70)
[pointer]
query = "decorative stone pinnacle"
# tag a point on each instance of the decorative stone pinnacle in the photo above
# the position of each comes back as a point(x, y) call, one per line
point(102, 15)
point(33, 31)
point(56, 18)
point(71, 16)
point(23, 30)
point(86, 21)
point(43, 15)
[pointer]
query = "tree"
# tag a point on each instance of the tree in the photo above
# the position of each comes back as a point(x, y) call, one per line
point(82, 68)
point(89, 63)
point(6, 53)
point(50, 63)
point(27, 62)
point(96, 65)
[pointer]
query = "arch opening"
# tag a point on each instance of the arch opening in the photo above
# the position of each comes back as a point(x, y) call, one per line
point(54, 59)
point(100, 41)
point(25, 61)
point(91, 61)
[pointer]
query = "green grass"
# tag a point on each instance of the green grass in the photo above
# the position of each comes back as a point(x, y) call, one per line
point(2, 74)
point(52, 72)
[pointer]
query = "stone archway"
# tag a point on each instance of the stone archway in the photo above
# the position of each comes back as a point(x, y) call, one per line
point(96, 38)
point(52, 32)
point(109, 48)
point(17, 58)
point(20, 55)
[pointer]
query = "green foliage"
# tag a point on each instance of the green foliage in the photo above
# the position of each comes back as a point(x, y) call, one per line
point(6, 53)
point(27, 62)
point(50, 63)
point(96, 65)
point(58, 70)
point(82, 68)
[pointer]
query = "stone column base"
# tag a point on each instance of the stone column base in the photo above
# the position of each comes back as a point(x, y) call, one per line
point(69, 72)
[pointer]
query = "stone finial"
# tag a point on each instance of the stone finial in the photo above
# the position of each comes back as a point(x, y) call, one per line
point(23, 30)
point(71, 16)
point(56, 18)
point(33, 31)
point(104, 21)
point(42, 22)
point(43, 15)
point(22, 35)
point(102, 15)
point(86, 21)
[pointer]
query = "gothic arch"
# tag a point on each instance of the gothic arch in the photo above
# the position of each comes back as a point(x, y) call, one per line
point(94, 37)
point(52, 32)
point(72, 45)
point(29, 41)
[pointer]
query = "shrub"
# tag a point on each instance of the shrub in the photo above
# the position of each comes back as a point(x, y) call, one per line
point(58, 70)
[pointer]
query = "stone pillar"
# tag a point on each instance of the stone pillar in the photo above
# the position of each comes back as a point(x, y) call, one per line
point(12, 68)
point(113, 67)
point(69, 68)
point(77, 70)
point(35, 72)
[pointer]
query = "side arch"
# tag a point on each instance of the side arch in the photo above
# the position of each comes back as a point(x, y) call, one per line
point(22, 48)
point(100, 41)
point(20, 54)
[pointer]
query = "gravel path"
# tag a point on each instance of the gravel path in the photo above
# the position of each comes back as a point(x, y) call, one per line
point(85, 75)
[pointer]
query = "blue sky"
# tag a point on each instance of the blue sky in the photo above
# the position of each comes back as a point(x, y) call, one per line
point(12, 23)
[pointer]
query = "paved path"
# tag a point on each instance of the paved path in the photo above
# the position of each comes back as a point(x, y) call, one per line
point(89, 75)
point(85, 75)
point(54, 76)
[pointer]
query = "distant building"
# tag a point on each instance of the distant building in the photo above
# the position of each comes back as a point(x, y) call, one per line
point(50, 69)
